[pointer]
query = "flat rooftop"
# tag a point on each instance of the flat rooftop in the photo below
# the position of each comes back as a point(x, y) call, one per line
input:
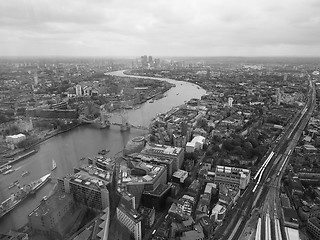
point(92, 177)
point(51, 204)
point(162, 150)
point(146, 158)
point(159, 190)
point(151, 172)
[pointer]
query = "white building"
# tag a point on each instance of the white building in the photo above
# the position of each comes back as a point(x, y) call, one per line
point(87, 91)
point(35, 79)
point(209, 188)
point(195, 144)
point(218, 213)
point(15, 139)
point(230, 101)
point(78, 90)
point(180, 176)
point(131, 219)
point(231, 176)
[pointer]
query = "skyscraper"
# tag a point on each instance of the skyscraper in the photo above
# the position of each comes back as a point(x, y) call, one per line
point(150, 61)
point(35, 78)
point(144, 61)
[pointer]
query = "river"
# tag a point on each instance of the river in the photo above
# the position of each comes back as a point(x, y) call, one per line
point(84, 141)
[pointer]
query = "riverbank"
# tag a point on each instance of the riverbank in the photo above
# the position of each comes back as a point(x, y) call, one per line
point(18, 156)
point(161, 77)
point(66, 149)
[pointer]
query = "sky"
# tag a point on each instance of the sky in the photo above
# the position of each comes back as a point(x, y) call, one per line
point(160, 27)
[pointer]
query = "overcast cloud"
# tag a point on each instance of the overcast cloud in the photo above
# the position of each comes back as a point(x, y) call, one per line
point(160, 27)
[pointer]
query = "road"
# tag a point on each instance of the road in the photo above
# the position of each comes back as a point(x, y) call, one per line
point(263, 192)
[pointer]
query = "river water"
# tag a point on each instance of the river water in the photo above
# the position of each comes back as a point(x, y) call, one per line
point(84, 141)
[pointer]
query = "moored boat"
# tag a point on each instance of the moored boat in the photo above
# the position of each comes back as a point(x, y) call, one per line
point(25, 155)
point(8, 171)
point(5, 168)
point(10, 203)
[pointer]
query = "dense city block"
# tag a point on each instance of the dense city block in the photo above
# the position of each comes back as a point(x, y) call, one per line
point(239, 162)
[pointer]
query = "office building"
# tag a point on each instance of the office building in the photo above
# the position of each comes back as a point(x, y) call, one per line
point(207, 226)
point(88, 188)
point(313, 226)
point(168, 163)
point(150, 61)
point(134, 145)
point(47, 218)
point(156, 198)
point(148, 216)
point(144, 61)
point(139, 176)
point(78, 90)
point(218, 213)
point(12, 235)
point(231, 176)
point(278, 96)
point(131, 219)
point(35, 79)
point(179, 176)
point(97, 229)
point(166, 152)
point(195, 144)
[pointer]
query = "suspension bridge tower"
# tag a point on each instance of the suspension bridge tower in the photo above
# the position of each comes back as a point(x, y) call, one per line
point(125, 126)
point(104, 117)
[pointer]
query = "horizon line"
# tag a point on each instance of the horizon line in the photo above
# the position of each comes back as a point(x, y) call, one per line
point(159, 56)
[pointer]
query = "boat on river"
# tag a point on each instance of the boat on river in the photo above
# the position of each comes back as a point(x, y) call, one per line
point(10, 203)
point(54, 165)
point(13, 184)
point(25, 173)
point(5, 168)
point(8, 171)
point(104, 151)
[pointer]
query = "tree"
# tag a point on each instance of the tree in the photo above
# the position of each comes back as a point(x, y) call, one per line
point(215, 148)
point(209, 152)
point(190, 155)
point(216, 139)
point(27, 142)
point(259, 151)
point(228, 145)
point(205, 147)
point(12, 130)
point(247, 145)
point(152, 138)
point(253, 142)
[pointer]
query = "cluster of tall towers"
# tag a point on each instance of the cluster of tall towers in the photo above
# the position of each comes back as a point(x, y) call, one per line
point(148, 61)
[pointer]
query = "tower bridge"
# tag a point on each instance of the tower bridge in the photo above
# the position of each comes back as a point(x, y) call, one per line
point(96, 121)
point(103, 120)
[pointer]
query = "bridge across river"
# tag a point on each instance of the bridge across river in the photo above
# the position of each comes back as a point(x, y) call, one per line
point(131, 125)
point(108, 123)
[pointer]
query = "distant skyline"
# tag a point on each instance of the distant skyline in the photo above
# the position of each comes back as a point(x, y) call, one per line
point(160, 28)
